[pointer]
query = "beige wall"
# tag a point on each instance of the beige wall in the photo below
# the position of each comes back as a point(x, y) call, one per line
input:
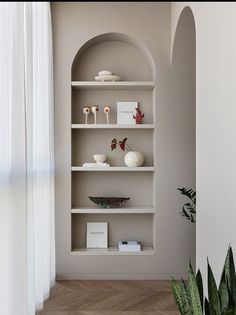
point(183, 114)
point(73, 24)
point(216, 128)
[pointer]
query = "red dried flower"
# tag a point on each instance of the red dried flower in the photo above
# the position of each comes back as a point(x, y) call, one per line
point(113, 144)
point(122, 143)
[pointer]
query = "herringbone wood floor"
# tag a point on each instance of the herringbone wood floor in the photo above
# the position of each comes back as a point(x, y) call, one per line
point(110, 298)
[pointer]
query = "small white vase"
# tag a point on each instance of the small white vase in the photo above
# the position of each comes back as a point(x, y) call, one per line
point(133, 159)
point(99, 158)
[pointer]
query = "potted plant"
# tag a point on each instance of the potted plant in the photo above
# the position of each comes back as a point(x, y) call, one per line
point(131, 158)
point(189, 208)
point(221, 300)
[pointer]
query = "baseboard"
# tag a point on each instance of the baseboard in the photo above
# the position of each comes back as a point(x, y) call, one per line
point(119, 276)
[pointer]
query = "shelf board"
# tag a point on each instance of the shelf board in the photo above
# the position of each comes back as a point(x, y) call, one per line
point(120, 85)
point(112, 126)
point(127, 210)
point(113, 169)
point(112, 251)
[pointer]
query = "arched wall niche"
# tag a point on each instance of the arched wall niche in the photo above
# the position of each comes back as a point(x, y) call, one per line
point(183, 88)
point(118, 52)
point(185, 26)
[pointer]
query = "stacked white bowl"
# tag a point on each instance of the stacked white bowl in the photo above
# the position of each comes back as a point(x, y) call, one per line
point(106, 75)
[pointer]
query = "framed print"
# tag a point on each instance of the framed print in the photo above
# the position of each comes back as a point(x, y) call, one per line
point(97, 234)
point(125, 112)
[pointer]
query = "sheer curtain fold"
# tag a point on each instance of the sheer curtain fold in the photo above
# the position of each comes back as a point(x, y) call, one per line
point(26, 157)
point(43, 148)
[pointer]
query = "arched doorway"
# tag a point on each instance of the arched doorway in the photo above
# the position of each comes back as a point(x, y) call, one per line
point(183, 85)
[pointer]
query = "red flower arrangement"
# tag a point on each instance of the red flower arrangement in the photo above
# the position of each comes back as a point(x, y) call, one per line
point(122, 143)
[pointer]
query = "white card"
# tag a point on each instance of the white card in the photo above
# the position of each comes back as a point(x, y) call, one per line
point(125, 112)
point(96, 234)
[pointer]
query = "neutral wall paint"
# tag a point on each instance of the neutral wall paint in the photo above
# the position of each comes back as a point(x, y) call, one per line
point(215, 128)
point(183, 100)
point(74, 24)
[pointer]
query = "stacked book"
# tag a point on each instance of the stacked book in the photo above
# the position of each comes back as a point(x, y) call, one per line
point(129, 246)
point(96, 164)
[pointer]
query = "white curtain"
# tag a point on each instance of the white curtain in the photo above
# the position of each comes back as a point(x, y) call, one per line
point(27, 262)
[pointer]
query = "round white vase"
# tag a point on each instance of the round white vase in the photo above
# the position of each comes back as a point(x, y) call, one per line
point(133, 159)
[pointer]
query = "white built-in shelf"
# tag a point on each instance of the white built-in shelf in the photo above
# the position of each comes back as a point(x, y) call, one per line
point(113, 169)
point(82, 251)
point(112, 126)
point(121, 85)
point(127, 210)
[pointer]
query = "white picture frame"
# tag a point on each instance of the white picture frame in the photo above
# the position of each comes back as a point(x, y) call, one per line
point(125, 112)
point(97, 235)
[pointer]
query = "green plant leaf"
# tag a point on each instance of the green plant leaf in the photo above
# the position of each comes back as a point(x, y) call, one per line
point(189, 205)
point(200, 287)
point(189, 208)
point(185, 214)
point(214, 301)
point(232, 279)
point(226, 270)
point(193, 292)
point(187, 305)
point(224, 296)
point(189, 298)
point(228, 275)
point(178, 295)
point(230, 310)
point(206, 304)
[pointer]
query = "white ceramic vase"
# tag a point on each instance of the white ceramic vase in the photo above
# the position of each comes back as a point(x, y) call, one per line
point(99, 158)
point(133, 159)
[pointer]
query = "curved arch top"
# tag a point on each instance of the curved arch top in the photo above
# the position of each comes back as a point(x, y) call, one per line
point(119, 39)
point(185, 13)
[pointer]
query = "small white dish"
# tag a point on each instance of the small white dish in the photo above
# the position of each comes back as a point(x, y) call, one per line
point(104, 72)
point(99, 158)
point(103, 78)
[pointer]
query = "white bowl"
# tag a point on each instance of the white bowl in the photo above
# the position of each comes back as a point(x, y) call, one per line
point(99, 158)
point(105, 72)
point(107, 77)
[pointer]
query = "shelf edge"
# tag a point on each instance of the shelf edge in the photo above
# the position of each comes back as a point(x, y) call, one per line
point(113, 211)
point(112, 251)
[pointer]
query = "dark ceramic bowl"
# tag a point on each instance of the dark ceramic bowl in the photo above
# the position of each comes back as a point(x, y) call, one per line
point(109, 202)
